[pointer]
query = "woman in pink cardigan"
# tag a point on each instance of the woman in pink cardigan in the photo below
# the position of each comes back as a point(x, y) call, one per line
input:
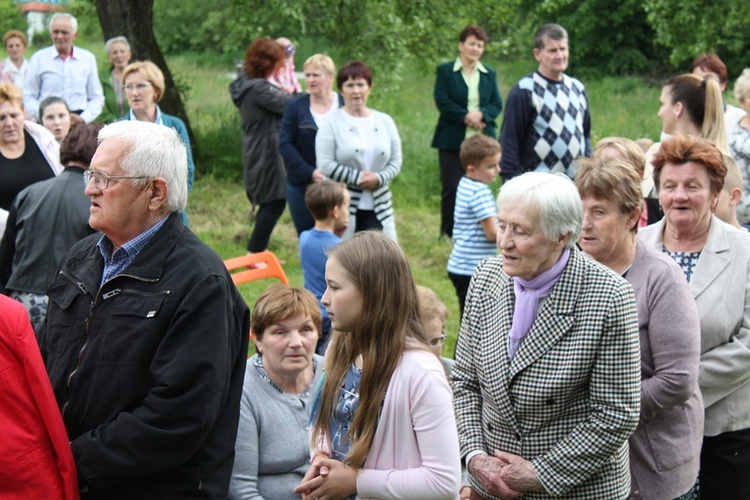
point(382, 423)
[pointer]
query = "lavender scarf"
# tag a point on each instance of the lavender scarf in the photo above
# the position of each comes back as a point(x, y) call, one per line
point(528, 294)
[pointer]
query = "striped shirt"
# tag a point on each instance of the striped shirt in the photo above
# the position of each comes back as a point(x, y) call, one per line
point(474, 203)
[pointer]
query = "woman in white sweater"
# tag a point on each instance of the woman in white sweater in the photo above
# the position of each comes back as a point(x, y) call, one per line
point(361, 147)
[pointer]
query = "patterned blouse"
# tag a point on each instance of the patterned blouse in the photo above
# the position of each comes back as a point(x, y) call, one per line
point(686, 260)
point(346, 408)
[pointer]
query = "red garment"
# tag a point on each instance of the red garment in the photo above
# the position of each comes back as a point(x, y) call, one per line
point(35, 456)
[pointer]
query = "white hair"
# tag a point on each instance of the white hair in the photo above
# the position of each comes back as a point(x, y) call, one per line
point(64, 15)
point(553, 196)
point(153, 151)
point(118, 39)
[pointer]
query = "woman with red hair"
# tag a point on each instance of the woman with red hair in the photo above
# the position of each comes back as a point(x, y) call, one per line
point(261, 106)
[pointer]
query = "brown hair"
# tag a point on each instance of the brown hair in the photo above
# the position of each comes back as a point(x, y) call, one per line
point(322, 197)
point(610, 179)
point(472, 30)
point(630, 151)
point(380, 271)
point(476, 148)
point(15, 34)
point(262, 58)
point(9, 92)
point(703, 104)
point(711, 63)
point(49, 101)
point(681, 149)
point(150, 72)
point(280, 302)
point(80, 144)
point(353, 70)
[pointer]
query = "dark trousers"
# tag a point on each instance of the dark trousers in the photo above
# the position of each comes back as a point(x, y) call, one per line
point(295, 197)
point(461, 284)
point(451, 172)
point(366, 221)
point(265, 221)
point(725, 466)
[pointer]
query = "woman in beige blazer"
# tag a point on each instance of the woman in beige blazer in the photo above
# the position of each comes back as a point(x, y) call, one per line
point(715, 257)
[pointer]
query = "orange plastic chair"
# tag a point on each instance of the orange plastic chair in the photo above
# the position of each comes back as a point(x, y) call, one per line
point(255, 266)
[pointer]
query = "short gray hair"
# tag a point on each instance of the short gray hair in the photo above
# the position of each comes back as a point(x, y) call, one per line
point(551, 31)
point(153, 151)
point(64, 15)
point(118, 39)
point(554, 196)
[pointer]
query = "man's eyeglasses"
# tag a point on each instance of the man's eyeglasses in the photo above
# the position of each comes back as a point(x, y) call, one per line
point(101, 180)
point(436, 341)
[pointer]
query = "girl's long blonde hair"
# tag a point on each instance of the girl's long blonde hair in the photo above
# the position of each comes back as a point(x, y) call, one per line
point(380, 271)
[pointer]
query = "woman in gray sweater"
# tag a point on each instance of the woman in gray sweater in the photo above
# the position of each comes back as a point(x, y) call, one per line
point(272, 451)
point(665, 447)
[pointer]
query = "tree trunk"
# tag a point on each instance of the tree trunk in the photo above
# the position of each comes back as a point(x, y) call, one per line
point(134, 20)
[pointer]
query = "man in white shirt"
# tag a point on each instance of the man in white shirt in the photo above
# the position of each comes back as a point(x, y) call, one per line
point(64, 71)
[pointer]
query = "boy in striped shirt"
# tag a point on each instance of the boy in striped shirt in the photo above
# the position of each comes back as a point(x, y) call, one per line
point(475, 227)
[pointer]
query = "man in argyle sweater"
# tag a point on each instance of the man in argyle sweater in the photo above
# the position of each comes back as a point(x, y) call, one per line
point(547, 122)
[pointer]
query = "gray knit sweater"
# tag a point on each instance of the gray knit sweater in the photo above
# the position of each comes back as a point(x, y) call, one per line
point(272, 451)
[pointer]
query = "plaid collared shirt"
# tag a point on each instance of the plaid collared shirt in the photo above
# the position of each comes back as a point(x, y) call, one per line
point(116, 262)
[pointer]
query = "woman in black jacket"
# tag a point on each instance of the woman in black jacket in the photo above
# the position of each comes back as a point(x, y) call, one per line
point(261, 106)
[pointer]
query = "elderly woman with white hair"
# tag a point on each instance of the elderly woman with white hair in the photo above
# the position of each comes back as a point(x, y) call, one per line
point(738, 139)
point(547, 373)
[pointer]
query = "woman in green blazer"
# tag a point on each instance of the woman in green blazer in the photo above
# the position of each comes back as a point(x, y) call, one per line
point(467, 96)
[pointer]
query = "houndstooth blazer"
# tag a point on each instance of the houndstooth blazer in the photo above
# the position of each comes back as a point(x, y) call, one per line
point(570, 398)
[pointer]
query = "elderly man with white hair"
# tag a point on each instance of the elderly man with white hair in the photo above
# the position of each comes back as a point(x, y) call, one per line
point(63, 70)
point(146, 336)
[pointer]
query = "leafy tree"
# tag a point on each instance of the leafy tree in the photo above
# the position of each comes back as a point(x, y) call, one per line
point(386, 34)
point(691, 27)
point(11, 17)
point(133, 19)
point(606, 36)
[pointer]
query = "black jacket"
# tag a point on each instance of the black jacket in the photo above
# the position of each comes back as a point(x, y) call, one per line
point(148, 369)
point(45, 220)
point(261, 106)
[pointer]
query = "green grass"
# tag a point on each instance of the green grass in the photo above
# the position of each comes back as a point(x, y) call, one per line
point(219, 211)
